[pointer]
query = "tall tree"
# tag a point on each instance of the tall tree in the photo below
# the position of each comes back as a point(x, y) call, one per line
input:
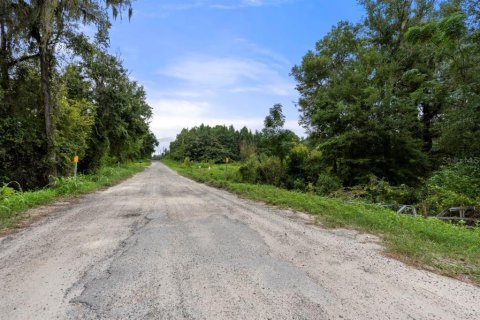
point(352, 100)
point(276, 139)
point(54, 21)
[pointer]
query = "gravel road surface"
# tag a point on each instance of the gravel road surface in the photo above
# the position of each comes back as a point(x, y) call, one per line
point(159, 246)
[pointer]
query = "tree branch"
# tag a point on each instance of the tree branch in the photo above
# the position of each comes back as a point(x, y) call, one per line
point(21, 59)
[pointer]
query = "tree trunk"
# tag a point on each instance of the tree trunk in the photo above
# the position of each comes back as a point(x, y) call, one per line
point(42, 32)
point(4, 68)
point(46, 88)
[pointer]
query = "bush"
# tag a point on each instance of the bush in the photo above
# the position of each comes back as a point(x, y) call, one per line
point(439, 199)
point(6, 192)
point(351, 193)
point(314, 164)
point(455, 185)
point(249, 170)
point(270, 171)
point(187, 162)
point(459, 178)
point(380, 191)
point(327, 183)
point(299, 184)
point(296, 160)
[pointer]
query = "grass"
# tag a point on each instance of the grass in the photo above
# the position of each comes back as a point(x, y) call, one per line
point(427, 243)
point(13, 207)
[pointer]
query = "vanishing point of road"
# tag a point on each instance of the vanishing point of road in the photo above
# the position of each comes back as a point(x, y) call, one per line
point(160, 246)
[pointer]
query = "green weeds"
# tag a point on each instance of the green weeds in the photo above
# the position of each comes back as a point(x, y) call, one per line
point(13, 204)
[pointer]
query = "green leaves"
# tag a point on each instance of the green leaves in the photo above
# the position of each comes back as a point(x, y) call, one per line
point(420, 34)
point(381, 96)
point(453, 26)
point(206, 143)
point(88, 108)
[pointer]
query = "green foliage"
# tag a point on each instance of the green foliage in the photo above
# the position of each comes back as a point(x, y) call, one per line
point(389, 96)
point(50, 111)
point(314, 165)
point(440, 198)
point(380, 191)
point(249, 170)
point(6, 192)
point(121, 122)
point(187, 162)
point(451, 186)
point(74, 119)
point(14, 204)
point(205, 143)
point(459, 177)
point(296, 161)
point(274, 139)
point(22, 136)
point(327, 183)
point(451, 80)
point(270, 170)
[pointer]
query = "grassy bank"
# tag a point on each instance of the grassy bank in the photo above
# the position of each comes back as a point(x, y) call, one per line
point(428, 243)
point(13, 206)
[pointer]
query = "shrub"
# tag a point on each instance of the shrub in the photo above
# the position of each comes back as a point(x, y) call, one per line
point(270, 171)
point(439, 199)
point(296, 160)
point(454, 185)
point(187, 162)
point(459, 178)
point(6, 192)
point(351, 193)
point(249, 170)
point(380, 191)
point(299, 184)
point(327, 183)
point(314, 164)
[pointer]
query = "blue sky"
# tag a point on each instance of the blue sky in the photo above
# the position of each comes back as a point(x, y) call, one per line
point(221, 62)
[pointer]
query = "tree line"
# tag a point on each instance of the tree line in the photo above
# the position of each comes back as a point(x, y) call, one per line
point(387, 103)
point(215, 144)
point(62, 94)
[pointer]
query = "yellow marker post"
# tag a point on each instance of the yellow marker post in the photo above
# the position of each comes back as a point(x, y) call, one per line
point(226, 162)
point(75, 161)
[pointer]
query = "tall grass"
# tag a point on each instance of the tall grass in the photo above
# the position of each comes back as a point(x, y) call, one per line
point(13, 206)
point(428, 243)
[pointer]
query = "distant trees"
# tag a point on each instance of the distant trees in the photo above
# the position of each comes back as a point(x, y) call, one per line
point(205, 143)
point(51, 109)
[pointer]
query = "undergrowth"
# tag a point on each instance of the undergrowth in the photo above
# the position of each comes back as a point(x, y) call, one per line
point(13, 204)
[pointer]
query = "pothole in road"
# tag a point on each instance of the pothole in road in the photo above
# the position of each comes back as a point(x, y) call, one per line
point(130, 215)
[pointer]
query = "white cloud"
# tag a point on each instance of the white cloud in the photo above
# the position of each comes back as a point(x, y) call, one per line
point(234, 74)
point(173, 107)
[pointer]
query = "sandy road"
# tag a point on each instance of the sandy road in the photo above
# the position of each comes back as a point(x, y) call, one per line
point(160, 246)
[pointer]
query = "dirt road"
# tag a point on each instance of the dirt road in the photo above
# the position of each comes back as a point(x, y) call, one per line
point(160, 246)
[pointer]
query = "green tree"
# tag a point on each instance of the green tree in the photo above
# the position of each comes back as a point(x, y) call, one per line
point(276, 140)
point(351, 101)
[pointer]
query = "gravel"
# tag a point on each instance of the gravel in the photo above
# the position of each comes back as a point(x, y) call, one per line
point(160, 246)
